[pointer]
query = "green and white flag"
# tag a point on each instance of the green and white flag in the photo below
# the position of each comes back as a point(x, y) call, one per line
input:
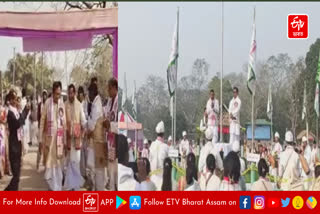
point(316, 100)
point(269, 106)
point(173, 60)
point(318, 70)
point(252, 57)
point(134, 102)
point(304, 107)
point(124, 93)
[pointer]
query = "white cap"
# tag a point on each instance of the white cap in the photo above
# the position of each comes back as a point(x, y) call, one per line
point(184, 133)
point(160, 127)
point(129, 140)
point(209, 134)
point(145, 141)
point(277, 135)
point(169, 138)
point(236, 147)
point(289, 136)
point(304, 139)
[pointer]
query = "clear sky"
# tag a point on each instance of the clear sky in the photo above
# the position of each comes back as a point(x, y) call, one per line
point(145, 34)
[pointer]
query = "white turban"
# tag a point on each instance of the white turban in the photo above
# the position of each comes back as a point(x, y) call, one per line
point(160, 127)
point(236, 147)
point(145, 141)
point(304, 139)
point(277, 135)
point(209, 134)
point(129, 140)
point(184, 133)
point(289, 137)
point(169, 138)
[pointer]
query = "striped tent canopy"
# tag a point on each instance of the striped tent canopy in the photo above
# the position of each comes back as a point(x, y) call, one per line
point(126, 121)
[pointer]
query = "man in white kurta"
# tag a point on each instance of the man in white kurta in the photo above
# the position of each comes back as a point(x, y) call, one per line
point(76, 122)
point(131, 151)
point(53, 127)
point(276, 150)
point(234, 114)
point(212, 111)
point(307, 155)
point(184, 149)
point(276, 147)
point(145, 150)
point(289, 165)
point(111, 125)
point(96, 132)
point(26, 126)
point(158, 152)
point(209, 148)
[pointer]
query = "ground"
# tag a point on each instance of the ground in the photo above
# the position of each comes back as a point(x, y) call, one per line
point(30, 179)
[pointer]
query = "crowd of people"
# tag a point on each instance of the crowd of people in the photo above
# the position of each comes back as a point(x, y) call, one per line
point(210, 166)
point(75, 135)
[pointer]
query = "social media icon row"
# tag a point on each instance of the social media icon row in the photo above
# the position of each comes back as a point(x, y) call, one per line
point(134, 202)
point(259, 202)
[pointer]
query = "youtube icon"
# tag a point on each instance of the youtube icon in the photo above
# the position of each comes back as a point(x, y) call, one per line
point(273, 202)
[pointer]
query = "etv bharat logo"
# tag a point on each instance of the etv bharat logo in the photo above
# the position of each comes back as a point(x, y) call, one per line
point(298, 27)
point(90, 202)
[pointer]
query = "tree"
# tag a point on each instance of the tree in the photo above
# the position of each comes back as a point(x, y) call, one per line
point(29, 72)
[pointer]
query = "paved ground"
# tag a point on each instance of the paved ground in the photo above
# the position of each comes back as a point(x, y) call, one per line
point(30, 179)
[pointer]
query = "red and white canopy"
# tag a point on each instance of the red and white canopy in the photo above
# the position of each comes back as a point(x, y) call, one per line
point(126, 121)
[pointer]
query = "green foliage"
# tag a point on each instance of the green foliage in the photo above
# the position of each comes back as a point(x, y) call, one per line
point(29, 72)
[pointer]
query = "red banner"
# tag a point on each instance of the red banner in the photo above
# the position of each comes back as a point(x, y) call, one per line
point(159, 202)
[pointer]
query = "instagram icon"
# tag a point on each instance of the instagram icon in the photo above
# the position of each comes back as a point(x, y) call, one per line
point(258, 202)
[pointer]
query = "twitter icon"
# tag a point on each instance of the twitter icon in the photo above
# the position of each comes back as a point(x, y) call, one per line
point(286, 202)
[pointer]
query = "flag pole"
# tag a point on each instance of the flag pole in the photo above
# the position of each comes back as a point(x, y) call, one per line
point(221, 75)
point(252, 108)
point(135, 131)
point(175, 91)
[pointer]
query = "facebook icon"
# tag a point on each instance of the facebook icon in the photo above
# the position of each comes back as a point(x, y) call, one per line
point(245, 202)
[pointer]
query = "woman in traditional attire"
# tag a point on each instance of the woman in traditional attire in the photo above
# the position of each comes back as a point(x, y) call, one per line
point(190, 181)
point(262, 184)
point(144, 184)
point(209, 181)
point(231, 166)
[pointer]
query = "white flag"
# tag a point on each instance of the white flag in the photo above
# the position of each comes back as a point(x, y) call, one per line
point(134, 102)
point(124, 93)
point(269, 106)
point(171, 106)
point(316, 100)
point(173, 60)
point(304, 108)
point(252, 57)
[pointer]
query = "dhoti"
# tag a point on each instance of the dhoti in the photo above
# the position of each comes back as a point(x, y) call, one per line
point(73, 179)
point(234, 136)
